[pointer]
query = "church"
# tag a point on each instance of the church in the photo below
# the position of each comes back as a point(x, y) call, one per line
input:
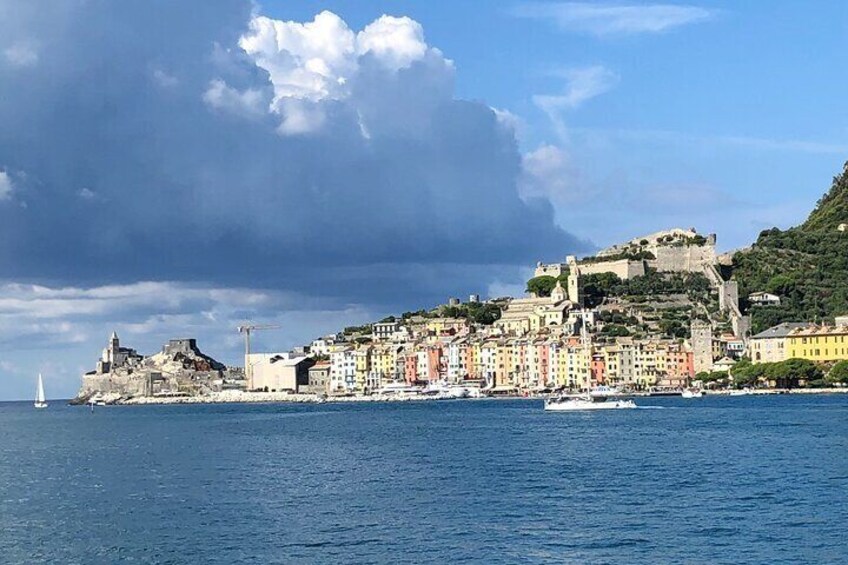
point(114, 356)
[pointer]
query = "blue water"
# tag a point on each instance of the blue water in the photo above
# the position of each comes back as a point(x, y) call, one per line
point(716, 480)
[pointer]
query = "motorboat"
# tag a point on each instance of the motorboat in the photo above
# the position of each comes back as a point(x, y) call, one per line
point(442, 389)
point(589, 402)
point(692, 393)
point(603, 391)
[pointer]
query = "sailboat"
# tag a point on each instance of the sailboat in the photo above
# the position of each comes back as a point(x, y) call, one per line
point(40, 402)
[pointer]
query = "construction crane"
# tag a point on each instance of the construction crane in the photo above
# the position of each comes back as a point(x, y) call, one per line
point(247, 329)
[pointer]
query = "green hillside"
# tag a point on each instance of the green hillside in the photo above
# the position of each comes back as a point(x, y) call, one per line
point(807, 266)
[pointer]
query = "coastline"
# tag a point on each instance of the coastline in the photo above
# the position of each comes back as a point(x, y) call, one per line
point(239, 397)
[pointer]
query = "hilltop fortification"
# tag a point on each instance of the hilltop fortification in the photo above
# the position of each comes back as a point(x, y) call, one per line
point(669, 251)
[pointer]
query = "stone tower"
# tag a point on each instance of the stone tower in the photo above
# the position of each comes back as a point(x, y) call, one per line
point(575, 284)
point(702, 346)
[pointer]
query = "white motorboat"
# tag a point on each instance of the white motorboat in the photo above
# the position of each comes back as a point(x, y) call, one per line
point(40, 401)
point(692, 393)
point(565, 404)
point(603, 391)
point(444, 390)
point(399, 389)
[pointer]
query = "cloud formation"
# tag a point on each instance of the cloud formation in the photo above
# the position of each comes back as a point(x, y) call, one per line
point(219, 145)
point(21, 54)
point(613, 19)
point(582, 84)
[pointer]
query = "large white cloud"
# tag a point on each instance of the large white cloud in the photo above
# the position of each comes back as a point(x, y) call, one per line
point(314, 65)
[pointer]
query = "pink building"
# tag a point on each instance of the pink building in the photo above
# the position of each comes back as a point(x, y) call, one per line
point(410, 363)
point(543, 359)
point(435, 363)
point(598, 369)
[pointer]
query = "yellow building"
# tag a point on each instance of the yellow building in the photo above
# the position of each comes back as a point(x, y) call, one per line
point(383, 364)
point(523, 315)
point(439, 326)
point(770, 346)
point(475, 359)
point(578, 372)
point(363, 366)
point(819, 343)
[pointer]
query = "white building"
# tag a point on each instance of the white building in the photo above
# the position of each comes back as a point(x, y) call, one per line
point(764, 299)
point(322, 345)
point(384, 331)
point(422, 365)
point(456, 351)
point(343, 370)
point(769, 346)
point(277, 372)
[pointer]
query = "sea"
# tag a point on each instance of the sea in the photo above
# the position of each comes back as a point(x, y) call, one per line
point(748, 479)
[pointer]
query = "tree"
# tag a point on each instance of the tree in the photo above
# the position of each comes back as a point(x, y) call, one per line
point(598, 286)
point(485, 314)
point(541, 286)
point(615, 330)
point(747, 374)
point(838, 373)
point(788, 373)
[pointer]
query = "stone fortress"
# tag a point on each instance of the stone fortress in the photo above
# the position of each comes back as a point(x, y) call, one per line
point(179, 368)
point(669, 251)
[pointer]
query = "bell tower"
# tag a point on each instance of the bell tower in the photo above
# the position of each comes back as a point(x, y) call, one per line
point(575, 286)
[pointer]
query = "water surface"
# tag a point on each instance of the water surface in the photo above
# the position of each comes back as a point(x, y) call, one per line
point(714, 480)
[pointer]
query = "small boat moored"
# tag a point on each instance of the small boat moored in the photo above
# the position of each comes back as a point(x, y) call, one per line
point(692, 393)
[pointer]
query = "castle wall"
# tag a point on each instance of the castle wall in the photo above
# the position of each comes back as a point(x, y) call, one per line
point(623, 268)
point(125, 385)
point(184, 346)
point(549, 269)
point(689, 258)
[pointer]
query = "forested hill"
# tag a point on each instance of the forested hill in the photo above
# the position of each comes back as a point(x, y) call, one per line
point(832, 208)
point(807, 266)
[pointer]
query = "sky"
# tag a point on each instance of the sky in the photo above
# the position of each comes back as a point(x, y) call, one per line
point(174, 169)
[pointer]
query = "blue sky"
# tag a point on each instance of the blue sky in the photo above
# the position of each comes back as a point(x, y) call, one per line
point(169, 170)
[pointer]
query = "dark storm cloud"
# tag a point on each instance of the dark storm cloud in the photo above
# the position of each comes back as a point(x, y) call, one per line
point(139, 146)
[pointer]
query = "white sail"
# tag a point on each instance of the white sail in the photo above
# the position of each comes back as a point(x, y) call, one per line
point(39, 394)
